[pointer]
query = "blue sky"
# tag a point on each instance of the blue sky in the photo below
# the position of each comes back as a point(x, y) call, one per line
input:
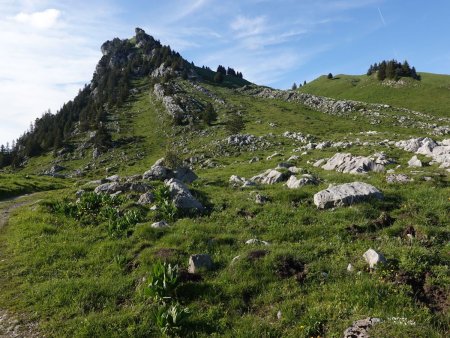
point(50, 48)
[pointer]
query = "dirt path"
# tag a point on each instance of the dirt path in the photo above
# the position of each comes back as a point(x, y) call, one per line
point(12, 325)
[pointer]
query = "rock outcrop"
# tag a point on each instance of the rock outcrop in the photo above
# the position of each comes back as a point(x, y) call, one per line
point(438, 151)
point(345, 194)
point(347, 163)
point(158, 172)
point(181, 196)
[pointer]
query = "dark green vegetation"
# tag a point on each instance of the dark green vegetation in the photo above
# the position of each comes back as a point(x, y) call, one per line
point(96, 267)
point(393, 70)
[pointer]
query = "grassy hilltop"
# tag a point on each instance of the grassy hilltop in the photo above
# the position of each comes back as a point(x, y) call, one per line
point(75, 270)
point(431, 94)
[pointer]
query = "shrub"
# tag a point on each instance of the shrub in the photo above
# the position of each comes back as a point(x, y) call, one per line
point(235, 124)
point(171, 159)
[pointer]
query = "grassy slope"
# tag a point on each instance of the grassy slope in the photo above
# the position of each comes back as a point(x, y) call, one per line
point(64, 273)
point(431, 94)
point(14, 185)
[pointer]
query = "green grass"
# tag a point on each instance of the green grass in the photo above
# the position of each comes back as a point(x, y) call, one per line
point(430, 95)
point(75, 279)
point(12, 185)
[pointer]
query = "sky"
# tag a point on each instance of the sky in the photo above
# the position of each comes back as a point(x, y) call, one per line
point(49, 49)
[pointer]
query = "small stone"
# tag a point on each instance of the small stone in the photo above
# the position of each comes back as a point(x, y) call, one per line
point(373, 258)
point(261, 199)
point(350, 267)
point(256, 241)
point(159, 225)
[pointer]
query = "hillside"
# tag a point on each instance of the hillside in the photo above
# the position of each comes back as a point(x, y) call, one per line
point(430, 95)
point(262, 201)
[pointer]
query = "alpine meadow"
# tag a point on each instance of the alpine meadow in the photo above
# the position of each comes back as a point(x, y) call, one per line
point(168, 199)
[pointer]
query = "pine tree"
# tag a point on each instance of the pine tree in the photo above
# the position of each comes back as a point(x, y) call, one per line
point(330, 76)
point(218, 77)
point(209, 115)
point(235, 124)
point(381, 75)
point(294, 86)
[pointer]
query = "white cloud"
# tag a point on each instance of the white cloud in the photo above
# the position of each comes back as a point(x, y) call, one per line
point(245, 26)
point(41, 20)
point(50, 53)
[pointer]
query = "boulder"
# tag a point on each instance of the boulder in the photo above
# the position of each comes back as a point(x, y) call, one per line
point(181, 195)
point(373, 258)
point(109, 188)
point(294, 183)
point(200, 262)
point(345, 194)
point(113, 178)
point(139, 187)
point(360, 328)
point(146, 198)
point(274, 176)
point(185, 175)
point(347, 163)
point(270, 176)
point(414, 162)
point(158, 172)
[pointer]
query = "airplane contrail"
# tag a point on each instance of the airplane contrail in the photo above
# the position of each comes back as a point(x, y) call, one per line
point(381, 17)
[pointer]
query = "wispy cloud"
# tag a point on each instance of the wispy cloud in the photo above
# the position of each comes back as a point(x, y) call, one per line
point(189, 8)
point(246, 26)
